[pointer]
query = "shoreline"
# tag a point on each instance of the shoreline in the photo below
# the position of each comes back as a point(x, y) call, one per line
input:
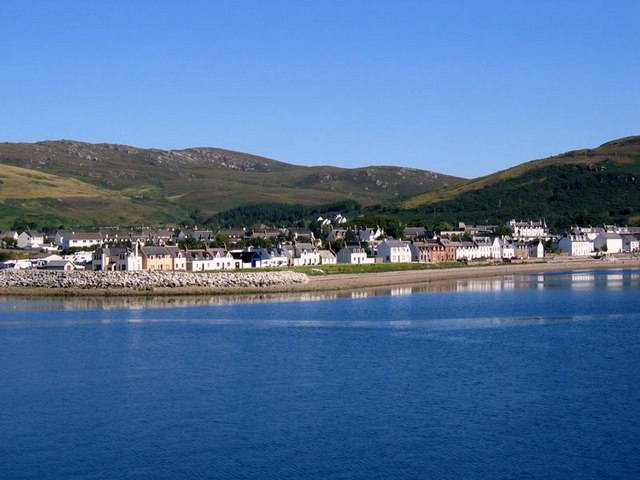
point(354, 281)
point(339, 281)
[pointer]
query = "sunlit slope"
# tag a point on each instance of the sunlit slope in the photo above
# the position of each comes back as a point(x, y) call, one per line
point(50, 199)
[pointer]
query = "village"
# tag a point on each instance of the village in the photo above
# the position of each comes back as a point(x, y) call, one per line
point(199, 250)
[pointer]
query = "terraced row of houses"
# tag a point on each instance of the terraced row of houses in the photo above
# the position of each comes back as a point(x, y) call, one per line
point(206, 259)
point(153, 249)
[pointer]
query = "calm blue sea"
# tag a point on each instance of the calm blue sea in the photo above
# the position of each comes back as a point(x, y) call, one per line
point(527, 377)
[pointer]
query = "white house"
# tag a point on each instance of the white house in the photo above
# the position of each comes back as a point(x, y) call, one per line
point(488, 247)
point(327, 257)
point(394, 251)
point(199, 261)
point(467, 251)
point(80, 240)
point(116, 258)
point(30, 240)
point(630, 243)
point(576, 245)
point(306, 254)
point(611, 242)
point(353, 255)
point(507, 249)
point(222, 259)
point(529, 230)
point(210, 259)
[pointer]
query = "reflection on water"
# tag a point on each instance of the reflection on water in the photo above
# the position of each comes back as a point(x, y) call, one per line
point(143, 303)
point(399, 291)
point(578, 280)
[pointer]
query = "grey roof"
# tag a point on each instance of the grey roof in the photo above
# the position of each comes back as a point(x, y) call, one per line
point(59, 263)
point(198, 255)
point(157, 251)
point(395, 243)
point(483, 240)
point(84, 236)
point(174, 250)
point(354, 249)
point(109, 251)
point(415, 231)
point(217, 251)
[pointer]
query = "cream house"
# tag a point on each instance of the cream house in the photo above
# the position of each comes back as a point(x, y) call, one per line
point(156, 258)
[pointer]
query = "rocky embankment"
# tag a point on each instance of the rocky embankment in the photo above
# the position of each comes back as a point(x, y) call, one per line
point(145, 280)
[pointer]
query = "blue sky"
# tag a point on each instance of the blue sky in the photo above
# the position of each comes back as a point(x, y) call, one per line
point(464, 88)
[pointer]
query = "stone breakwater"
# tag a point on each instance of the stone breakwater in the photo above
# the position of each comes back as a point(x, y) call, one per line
point(146, 280)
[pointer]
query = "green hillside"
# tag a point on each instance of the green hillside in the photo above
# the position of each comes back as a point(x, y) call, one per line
point(73, 183)
point(104, 184)
point(43, 199)
point(593, 186)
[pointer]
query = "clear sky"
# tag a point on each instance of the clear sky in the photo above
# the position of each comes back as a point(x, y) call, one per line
point(459, 87)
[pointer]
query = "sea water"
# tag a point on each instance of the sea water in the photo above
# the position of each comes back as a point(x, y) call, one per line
point(527, 376)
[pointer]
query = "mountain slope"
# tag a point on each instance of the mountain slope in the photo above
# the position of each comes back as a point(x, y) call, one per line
point(160, 185)
point(50, 200)
point(583, 186)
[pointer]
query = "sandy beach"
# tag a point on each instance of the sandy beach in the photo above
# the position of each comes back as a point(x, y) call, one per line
point(410, 277)
point(345, 282)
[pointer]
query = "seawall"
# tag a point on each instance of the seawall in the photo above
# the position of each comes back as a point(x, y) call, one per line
point(144, 280)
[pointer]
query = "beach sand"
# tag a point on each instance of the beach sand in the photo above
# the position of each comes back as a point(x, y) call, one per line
point(368, 280)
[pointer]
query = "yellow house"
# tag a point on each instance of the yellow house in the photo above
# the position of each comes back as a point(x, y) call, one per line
point(156, 258)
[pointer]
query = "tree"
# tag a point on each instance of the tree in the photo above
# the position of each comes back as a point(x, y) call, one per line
point(350, 236)
point(337, 245)
point(191, 243)
point(9, 242)
point(443, 227)
point(550, 247)
point(503, 231)
point(221, 241)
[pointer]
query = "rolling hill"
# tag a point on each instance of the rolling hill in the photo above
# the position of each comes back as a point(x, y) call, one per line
point(76, 183)
point(592, 186)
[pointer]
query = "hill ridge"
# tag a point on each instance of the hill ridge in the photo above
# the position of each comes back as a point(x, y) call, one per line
point(197, 181)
